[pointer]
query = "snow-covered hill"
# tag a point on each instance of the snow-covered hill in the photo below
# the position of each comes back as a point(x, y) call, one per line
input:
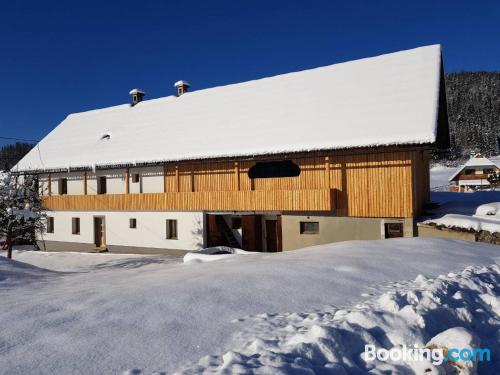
point(306, 310)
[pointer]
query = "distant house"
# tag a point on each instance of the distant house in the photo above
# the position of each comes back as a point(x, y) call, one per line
point(329, 154)
point(473, 175)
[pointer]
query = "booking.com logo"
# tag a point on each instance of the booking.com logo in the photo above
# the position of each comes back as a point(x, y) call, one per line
point(435, 355)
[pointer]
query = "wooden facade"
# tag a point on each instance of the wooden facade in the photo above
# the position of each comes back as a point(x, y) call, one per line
point(368, 184)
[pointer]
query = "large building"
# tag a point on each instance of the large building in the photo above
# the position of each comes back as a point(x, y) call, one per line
point(328, 154)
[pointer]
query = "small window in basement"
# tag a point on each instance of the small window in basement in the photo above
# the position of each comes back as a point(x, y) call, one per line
point(274, 169)
point(236, 223)
point(171, 229)
point(393, 230)
point(135, 177)
point(50, 224)
point(75, 225)
point(309, 227)
point(132, 223)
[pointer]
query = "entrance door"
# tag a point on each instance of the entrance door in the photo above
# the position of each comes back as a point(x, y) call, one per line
point(272, 236)
point(99, 232)
point(251, 226)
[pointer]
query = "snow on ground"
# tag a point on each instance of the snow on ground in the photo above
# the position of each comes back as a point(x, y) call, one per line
point(471, 211)
point(489, 209)
point(439, 175)
point(473, 223)
point(214, 253)
point(80, 262)
point(462, 203)
point(155, 313)
point(332, 340)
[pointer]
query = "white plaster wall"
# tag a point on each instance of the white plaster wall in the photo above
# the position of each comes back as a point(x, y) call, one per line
point(75, 182)
point(150, 180)
point(115, 181)
point(150, 231)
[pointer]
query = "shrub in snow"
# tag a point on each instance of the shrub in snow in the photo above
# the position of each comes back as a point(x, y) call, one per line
point(21, 210)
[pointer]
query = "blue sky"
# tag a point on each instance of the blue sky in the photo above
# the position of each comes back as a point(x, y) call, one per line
point(59, 57)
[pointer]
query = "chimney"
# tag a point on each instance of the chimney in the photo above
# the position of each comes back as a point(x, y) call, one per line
point(137, 96)
point(182, 87)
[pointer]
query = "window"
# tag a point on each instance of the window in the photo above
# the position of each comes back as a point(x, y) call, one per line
point(50, 224)
point(470, 171)
point(101, 185)
point(309, 227)
point(171, 229)
point(135, 177)
point(132, 223)
point(488, 171)
point(273, 169)
point(75, 225)
point(63, 186)
point(236, 223)
point(393, 230)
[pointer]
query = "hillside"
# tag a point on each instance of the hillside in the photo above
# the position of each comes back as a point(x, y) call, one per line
point(474, 113)
point(10, 154)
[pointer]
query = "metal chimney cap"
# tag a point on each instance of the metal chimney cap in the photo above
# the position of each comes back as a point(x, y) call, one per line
point(136, 91)
point(181, 83)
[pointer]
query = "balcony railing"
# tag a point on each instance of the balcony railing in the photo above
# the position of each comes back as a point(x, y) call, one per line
point(473, 177)
point(258, 200)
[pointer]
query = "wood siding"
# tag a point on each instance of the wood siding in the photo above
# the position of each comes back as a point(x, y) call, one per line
point(377, 184)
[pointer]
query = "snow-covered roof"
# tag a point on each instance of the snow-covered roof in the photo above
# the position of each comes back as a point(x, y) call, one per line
point(391, 99)
point(477, 162)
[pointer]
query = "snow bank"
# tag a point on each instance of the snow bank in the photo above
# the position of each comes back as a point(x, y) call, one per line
point(332, 340)
point(472, 223)
point(489, 209)
point(457, 337)
point(76, 261)
point(460, 203)
point(13, 273)
point(214, 253)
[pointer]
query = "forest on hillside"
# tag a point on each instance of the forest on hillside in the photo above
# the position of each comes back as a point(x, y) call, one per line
point(10, 154)
point(474, 114)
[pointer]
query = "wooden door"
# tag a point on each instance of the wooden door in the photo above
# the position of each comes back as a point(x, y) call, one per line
point(251, 227)
point(271, 236)
point(99, 232)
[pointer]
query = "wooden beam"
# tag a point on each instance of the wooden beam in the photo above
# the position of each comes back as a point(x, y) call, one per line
point(192, 178)
point(237, 172)
point(165, 178)
point(84, 183)
point(177, 180)
point(327, 172)
point(127, 181)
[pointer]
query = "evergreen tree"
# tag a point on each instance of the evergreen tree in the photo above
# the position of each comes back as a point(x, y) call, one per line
point(21, 210)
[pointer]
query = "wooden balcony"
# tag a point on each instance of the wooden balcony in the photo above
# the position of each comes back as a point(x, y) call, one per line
point(247, 200)
point(481, 176)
